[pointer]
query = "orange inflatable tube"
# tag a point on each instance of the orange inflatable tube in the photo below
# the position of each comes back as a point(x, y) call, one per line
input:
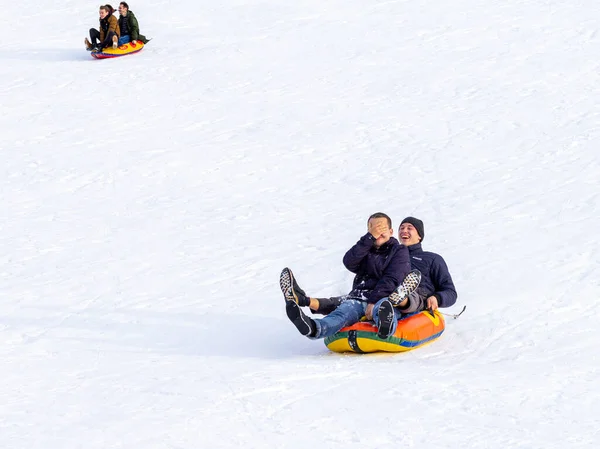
point(412, 332)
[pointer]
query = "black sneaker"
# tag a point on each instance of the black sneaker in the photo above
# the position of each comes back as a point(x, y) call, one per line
point(291, 291)
point(305, 325)
point(409, 285)
point(386, 319)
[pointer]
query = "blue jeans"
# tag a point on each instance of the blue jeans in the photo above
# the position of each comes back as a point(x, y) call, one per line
point(124, 40)
point(348, 313)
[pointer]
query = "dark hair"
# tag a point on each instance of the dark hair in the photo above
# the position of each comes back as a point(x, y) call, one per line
point(108, 8)
point(124, 5)
point(381, 215)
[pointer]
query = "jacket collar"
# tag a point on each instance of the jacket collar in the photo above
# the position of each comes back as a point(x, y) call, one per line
point(415, 248)
point(389, 244)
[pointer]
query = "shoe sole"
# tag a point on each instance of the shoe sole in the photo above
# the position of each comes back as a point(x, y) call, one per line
point(386, 318)
point(298, 318)
point(409, 284)
point(286, 282)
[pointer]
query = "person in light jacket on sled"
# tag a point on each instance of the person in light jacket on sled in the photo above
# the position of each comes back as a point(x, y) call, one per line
point(109, 31)
point(380, 264)
point(128, 24)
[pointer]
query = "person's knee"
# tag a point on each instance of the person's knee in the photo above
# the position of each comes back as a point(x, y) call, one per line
point(349, 309)
point(354, 305)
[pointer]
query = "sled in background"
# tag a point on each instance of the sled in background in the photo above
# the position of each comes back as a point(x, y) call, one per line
point(123, 50)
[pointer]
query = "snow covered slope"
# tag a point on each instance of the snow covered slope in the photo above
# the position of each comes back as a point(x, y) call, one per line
point(148, 204)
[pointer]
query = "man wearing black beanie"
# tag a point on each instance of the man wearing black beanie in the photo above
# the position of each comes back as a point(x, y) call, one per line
point(436, 288)
point(417, 224)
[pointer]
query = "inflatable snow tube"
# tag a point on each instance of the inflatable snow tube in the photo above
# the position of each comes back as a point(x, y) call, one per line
point(125, 49)
point(413, 332)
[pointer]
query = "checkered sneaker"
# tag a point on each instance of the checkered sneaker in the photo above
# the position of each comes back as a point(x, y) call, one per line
point(409, 285)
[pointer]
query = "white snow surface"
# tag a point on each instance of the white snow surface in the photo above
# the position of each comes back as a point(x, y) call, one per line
point(149, 203)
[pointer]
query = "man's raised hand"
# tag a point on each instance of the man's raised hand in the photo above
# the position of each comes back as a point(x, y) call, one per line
point(377, 227)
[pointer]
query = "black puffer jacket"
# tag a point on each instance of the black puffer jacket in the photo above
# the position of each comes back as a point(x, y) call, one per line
point(378, 270)
point(435, 277)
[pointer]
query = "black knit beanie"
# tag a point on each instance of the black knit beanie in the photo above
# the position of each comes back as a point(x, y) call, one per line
point(418, 224)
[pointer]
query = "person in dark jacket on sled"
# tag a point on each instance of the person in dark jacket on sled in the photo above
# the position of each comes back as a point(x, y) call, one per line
point(128, 24)
point(109, 31)
point(435, 289)
point(380, 264)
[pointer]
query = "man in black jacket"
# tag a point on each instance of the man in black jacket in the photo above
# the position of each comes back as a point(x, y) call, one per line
point(130, 29)
point(436, 288)
point(380, 264)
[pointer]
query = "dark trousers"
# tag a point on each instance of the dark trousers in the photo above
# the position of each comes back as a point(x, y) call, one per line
point(95, 37)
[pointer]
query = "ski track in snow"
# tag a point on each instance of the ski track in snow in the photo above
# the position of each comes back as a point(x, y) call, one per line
point(150, 202)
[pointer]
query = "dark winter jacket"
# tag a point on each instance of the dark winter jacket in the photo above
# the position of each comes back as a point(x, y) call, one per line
point(378, 270)
point(130, 23)
point(435, 277)
point(124, 25)
point(108, 24)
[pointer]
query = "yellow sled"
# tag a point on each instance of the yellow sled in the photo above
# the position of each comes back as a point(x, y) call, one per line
point(123, 50)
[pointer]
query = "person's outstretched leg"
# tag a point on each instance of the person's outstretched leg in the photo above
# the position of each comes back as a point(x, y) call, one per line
point(349, 312)
point(290, 289)
point(305, 325)
point(94, 36)
point(325, 306)
point(295, 298)
point(292, 292)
